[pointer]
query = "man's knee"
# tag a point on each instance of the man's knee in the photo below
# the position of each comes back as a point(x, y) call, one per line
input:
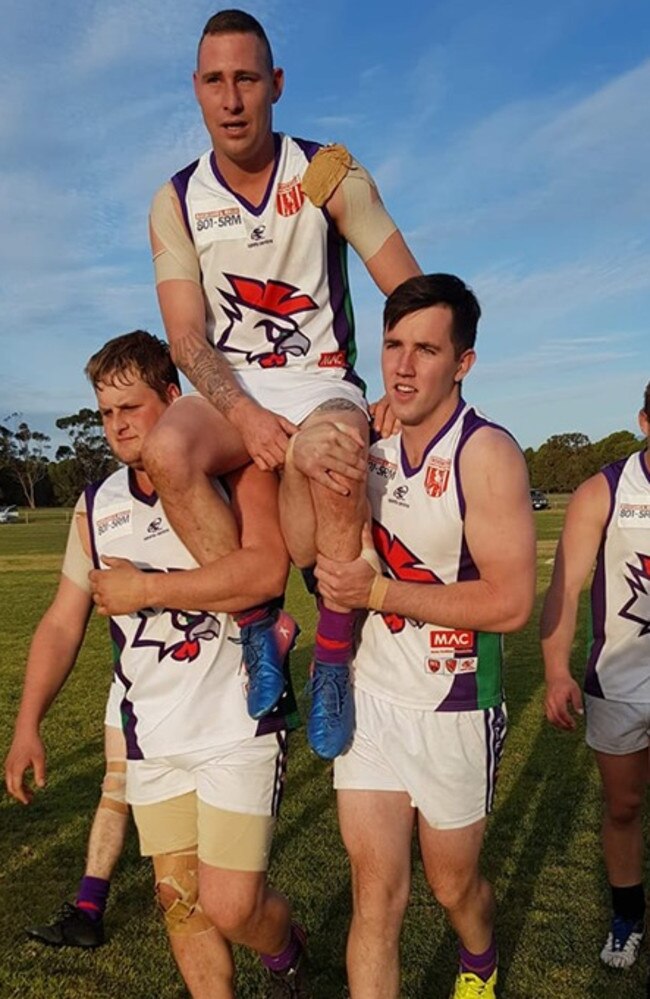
point(235, 912)
point(114, 787)
point(452, 889)
point(378, 901)
point(624, 810)
point(167, 451)
point(177, 893)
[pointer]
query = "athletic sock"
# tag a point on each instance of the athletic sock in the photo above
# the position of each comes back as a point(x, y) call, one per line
point(481, 965)
point(334, 636)
point(254, 615)
point(629, 903)
point(288, 958)
point(92, 896)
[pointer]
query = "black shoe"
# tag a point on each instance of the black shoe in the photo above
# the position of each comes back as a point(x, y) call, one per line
point(294, 982)
point(73, 928)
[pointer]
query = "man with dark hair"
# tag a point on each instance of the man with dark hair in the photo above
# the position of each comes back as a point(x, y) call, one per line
point(203, 779)
point(249, 246)
point(237, 22)
point(448, 567)
point(608, 525)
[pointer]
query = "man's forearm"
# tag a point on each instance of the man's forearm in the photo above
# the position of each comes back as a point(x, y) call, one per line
point(557, 627)
point(51, 657)
point(208, 371)
point(475, 604)
point(229, 585)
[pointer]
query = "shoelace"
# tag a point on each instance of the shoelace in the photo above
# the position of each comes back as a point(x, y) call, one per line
point(252, 640)
point(622, 930)
point(333, 688)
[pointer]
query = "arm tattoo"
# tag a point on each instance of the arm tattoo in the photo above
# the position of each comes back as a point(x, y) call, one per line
point(208, 372)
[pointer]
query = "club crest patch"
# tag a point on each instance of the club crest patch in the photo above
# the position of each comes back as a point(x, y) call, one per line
point(289, 198)
point(437, 476)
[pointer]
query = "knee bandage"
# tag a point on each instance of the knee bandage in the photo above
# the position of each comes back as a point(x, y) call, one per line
point(114, 787)
point(182, 914)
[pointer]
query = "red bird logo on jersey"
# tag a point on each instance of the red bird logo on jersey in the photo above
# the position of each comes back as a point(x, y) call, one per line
point(194, 628)
point(404, 565)
point(638, 607)
point(261, 323)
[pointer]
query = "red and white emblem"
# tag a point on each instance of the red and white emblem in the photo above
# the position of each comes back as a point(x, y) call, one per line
point(289, 198)
point(437, 477)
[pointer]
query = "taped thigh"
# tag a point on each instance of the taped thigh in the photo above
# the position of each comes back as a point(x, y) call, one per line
point(183, 914)
point(114, 787)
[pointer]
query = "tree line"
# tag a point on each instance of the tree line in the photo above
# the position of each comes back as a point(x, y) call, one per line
point(29, 476)
point(562, 462)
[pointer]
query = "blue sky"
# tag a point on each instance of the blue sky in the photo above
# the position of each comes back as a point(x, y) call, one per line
point(511, 143)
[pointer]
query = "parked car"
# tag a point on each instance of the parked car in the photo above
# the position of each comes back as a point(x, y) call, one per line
point(539, 500)
point(9, 515)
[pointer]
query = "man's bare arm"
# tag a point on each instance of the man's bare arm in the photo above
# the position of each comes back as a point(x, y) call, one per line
point(357, 209)
point(576, 552)
point(52, 654)
point(253, 574)
point(500, 534)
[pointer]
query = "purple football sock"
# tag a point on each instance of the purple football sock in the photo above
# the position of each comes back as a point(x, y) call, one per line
point(334, 636)
point(481, 965)
point(92, 896)
point(253, 616)
point(288, 958)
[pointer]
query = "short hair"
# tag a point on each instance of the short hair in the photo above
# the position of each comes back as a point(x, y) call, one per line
point(233, 22)
point(138, 352)
point(425, 290)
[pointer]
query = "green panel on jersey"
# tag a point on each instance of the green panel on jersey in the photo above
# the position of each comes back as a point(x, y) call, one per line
point(489, 680)
point(349, 312)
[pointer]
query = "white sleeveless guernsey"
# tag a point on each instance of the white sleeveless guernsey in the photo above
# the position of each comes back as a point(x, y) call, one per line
point(274, 276)
point(184, 685)
point(418, 532)
point(619, 663)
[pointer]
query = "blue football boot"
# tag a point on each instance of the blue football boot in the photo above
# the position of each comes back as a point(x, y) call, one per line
point(331, 720)
point(265, 646)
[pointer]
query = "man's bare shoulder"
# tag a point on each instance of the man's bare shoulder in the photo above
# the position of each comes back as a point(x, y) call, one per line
point(592, 497)
point(489, 443)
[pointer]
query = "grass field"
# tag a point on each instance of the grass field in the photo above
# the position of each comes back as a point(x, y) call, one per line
point(541, 852)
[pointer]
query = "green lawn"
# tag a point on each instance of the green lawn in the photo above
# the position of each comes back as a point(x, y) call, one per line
point(542, 851)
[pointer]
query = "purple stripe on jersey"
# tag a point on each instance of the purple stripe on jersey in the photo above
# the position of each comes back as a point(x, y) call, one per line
point(472, 422)
point(612, 475)
point(309, 148)
point(90, 492)
point(598, 609)
point(644, 466)
point(342, 325)
point(248, 205)
point(180, 182)
point(406, 466)
point(274, 722)
point(150, 499)
point(462, 694)
point(129, 719)
point(467, 569)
